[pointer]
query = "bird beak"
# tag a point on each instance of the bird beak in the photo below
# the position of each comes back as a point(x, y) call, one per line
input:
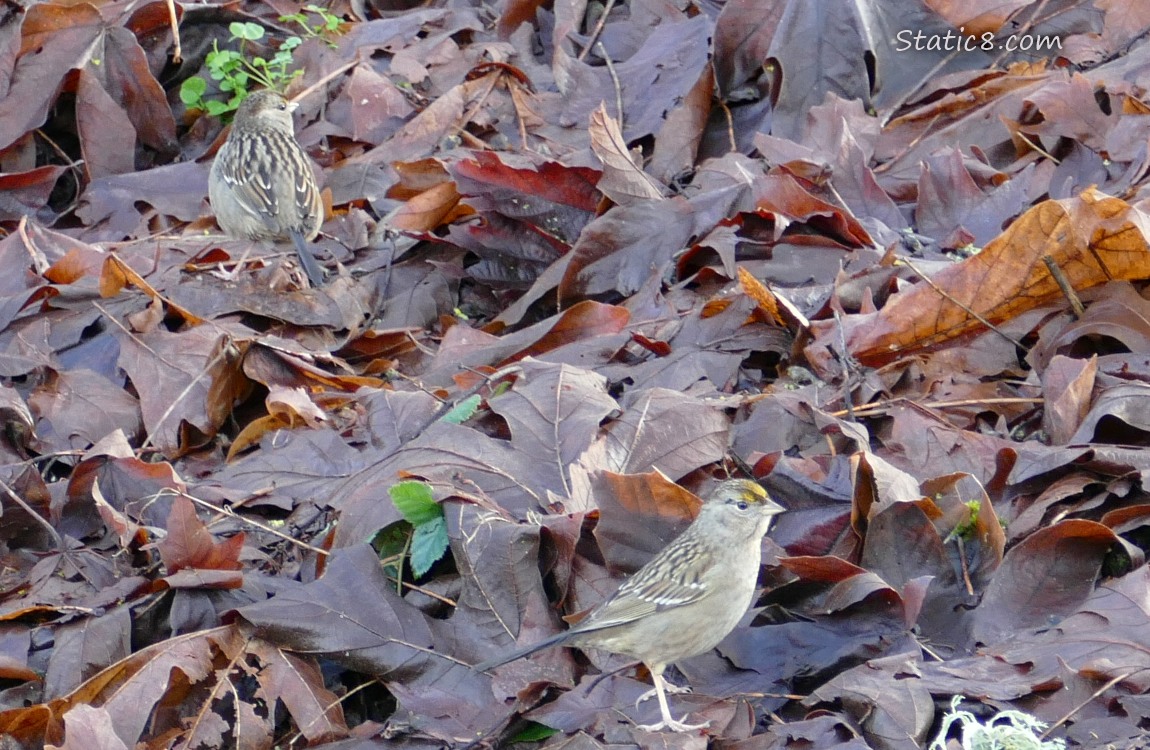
point(292, 106)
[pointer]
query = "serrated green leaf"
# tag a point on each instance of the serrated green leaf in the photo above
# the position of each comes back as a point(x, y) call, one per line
point(415, 502)
point(463, 411)
point(428, 545)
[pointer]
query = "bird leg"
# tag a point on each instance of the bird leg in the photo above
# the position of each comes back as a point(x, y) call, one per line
point(669, 686)
point(668, 722)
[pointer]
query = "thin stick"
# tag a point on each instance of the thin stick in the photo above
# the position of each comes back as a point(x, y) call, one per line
point(615, 80)
point(914, 142)
point(732, 143)
point(203, 373)
point(598, 30)
point(1026, 139)
point(966, 308)
point(1084, 703)
point(870, 410)
point(333, 74)
point(1065, 286)
point(292, 540)
point(177, 52)
point(35, 516)
point(290, 741)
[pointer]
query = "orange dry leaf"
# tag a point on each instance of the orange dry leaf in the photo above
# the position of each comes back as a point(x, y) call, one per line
point(428, 210)
point(760, 294)
point(1092, 238)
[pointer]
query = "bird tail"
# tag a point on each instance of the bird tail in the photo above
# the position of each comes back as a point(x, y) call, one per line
point(314, 273)
point(555, 640)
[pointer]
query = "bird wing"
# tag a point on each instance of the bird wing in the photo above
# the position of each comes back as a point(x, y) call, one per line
point(670, 580)
point(250, 177)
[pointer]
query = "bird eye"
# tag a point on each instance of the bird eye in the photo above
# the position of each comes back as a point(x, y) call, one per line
point(742, 505)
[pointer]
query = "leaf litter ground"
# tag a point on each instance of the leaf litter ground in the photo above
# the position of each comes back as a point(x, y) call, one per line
point(640, 247)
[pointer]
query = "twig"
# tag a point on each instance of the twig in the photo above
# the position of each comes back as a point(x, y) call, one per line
point(965, 566)
point(785, 696)
point(292, 540)
point(187, 389)
point(493, 79)
point(321, 82)
point(247, 521)
point(1065, 286)
point(912, 90)
point(290, 741)
point(1036, 13)
point(1025, 139)
point(591, 41)
point(1084, 703)
point(732, 142)
point(35, 516)
point(872, 409)
point(914, 142)
point(848, 360)
point(615, 80)
point(177, 52)
point(965, 308)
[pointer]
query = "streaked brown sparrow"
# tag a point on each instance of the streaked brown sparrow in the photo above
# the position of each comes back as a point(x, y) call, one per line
point(685, 599)
point(261, 185)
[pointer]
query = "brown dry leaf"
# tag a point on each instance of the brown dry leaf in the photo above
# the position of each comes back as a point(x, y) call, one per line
point(624, 181)
point(116, 274)
point(189, 544)
point(1068, 384)
point(1093, 238)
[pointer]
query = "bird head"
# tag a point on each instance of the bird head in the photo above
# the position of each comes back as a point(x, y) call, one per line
point(744, 504)
point(267, 108)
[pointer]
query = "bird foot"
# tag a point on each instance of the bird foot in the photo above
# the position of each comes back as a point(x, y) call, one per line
point(672, 689)
point(673, 725)
point(233, 274)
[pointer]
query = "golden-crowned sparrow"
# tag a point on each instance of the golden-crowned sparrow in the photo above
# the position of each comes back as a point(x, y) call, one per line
point(261, 185)
point(686, 599)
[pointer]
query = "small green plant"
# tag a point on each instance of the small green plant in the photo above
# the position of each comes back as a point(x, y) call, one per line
point(427, 540)
point(533, 732)
point(966, 529)
point(237, 73)
point(328, 22)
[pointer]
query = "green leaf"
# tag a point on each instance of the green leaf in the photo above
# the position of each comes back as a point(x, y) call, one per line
point(391, 541)
point(215, 109)
point(463, 411)
point(428, 545)
point(533, 732)
point(250, 32)
point(192, 90)
point(414, 501)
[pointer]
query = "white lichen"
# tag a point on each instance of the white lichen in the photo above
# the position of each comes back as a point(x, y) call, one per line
point(1008, 730)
